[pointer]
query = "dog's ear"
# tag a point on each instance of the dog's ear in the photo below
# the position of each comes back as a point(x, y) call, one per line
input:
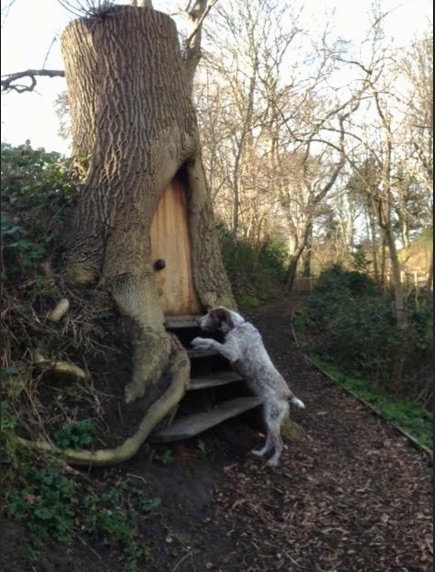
point(224, 315)
point(229, 319)
point(219, 315)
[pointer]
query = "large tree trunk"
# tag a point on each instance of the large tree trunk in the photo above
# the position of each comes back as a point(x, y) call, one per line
point(133, 119)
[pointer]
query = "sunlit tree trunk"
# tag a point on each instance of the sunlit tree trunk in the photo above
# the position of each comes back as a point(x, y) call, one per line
point(133, 120)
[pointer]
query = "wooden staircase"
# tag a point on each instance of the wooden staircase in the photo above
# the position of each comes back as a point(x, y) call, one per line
point(215, 392)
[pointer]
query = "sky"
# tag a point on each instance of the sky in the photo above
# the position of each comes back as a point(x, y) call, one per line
point(30, 40)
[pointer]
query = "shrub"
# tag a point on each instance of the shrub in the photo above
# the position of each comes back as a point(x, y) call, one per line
point(36, 194)
point(349, 321)
point(33, 178)
point(54, 505)
point(256, 272)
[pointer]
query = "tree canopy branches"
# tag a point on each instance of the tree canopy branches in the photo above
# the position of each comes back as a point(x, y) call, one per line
point(9, 81)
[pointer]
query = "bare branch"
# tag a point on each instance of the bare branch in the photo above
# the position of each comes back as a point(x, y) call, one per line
point(5, 11)
point(192, 44)
point(198, 19)
point(8, 80)
point(53, 41)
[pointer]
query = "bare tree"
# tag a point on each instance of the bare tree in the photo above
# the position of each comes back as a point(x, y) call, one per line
point(6, 6)
point(303, 195)
point(381, 142)
point(417, 68)
point(270, 114)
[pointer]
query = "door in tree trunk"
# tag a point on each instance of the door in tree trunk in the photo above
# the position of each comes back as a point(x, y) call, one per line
point(171, 252)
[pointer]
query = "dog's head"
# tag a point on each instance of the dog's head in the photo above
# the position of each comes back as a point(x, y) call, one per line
point(220, 320)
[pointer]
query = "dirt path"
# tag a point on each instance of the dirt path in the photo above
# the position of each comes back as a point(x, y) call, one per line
point(352, 496)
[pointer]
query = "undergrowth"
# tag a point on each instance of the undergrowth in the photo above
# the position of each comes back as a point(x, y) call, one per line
point(349, 321)
point(408, 415)
point(37, 191)
point(57, 503)
point(347, 328)
point(257, 273)
point(52, 501)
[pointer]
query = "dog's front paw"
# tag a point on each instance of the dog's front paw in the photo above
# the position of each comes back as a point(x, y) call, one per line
point(201, 344)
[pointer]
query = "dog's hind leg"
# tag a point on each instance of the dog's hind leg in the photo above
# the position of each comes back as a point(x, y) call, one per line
point(279, 447)
point(268, 416)
point(267, 446)
point(275, 417)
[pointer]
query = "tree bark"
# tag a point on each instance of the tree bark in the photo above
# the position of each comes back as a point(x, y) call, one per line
point(133, 119)
point(291, 271)
point(306, 272)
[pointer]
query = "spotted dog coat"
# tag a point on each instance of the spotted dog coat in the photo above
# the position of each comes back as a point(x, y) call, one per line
point(244, 348)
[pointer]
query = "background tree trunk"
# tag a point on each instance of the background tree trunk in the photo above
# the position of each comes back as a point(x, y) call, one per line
point(133, 118)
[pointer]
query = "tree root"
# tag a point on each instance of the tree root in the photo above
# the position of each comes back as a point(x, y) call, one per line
point(179, 369)
point(136, 297)
point(148, 365)
point(59, 311)
point(59, 367)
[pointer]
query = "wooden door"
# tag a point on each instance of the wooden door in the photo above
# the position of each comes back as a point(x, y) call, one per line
point(171, 247)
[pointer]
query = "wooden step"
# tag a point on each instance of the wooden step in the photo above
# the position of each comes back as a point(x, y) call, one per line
point(191, 425)
point(180, 322)
point(197, 354)
point(213, 379)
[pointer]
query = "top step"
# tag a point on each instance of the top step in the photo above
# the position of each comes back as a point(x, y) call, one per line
point(180, 322)
point(198, 354)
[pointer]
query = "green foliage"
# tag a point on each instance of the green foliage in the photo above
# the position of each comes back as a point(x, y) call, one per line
point(19, 251)
point(408, 415)
point(256, 272)
point(249, 301)
point(75, 435)
point(164, 457)
point(11, 451)
point(350, 322)
point(359, 258)
point(46, 503)
point(53, 505)
point(201, 448)
point(36, 194)
point(113, 517)
point(33, 178)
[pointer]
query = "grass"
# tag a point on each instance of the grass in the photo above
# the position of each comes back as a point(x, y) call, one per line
point(409, 416)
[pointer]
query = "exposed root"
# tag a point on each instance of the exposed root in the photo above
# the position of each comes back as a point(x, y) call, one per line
point(179, 370)
point(148, 364)
point(58, 367)
point(60, 310)
point(137, 298)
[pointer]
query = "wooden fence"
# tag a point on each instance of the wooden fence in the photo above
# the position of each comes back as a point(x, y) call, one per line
point(305, 285)
point(412, 279)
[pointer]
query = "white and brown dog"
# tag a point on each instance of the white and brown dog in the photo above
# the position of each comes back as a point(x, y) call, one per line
point(245, 350)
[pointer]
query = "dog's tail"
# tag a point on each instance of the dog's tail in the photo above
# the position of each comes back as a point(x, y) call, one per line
point(296, 402)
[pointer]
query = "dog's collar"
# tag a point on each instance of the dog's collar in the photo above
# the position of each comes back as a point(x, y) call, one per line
point(239, 324)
